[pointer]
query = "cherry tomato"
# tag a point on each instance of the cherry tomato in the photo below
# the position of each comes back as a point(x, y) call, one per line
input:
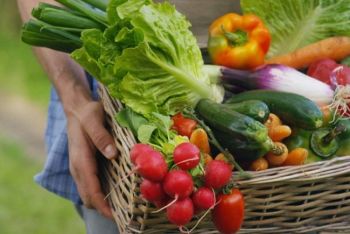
point(183, 126)
point(228, 214)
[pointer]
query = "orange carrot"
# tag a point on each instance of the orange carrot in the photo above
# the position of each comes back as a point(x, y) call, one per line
point(200, 138)
point(296, 157)
point(278, 133)
point(207, 158)
point(335, 48)
point(272, 121)
point(259, 164)
point(277, 156)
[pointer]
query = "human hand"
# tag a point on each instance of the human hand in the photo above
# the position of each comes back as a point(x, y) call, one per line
point(86, 134)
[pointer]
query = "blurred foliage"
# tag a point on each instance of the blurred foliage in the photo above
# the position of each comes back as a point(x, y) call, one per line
point(24, 206)
point(20, 72)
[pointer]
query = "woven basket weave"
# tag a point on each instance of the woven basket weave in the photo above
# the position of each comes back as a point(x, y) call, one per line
point(303, 199)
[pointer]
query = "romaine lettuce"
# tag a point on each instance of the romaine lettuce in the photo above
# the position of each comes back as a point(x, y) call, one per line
point(148, 58)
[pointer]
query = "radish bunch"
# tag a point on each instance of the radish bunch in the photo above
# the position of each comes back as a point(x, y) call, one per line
point(174, 190)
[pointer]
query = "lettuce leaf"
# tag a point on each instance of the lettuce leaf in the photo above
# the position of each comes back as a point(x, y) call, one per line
point(148, 58)
point(297, 23)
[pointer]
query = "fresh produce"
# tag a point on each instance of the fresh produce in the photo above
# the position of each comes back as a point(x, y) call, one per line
point(245, 137)
point(203, 198)
point(278, 156)
point(217, 174)
point(324, 142)
point(139, 150)
point(238, 41)
point(151, 166)
point(152, 191)
point(259, 164)
point(344, 138)
point(322, 69)
point(335, 48)
point(296, 23)
point(199, 138)
point(297, 156)
point(178, 184)
point(278, 78)
point(181, 212)
point(183, 126)
point(300, 138)
point(186, 156)
point(330, 72)
point(293, 109)
point(228, 214)
point(255, 109)
point(138, 58)
point(276, 130)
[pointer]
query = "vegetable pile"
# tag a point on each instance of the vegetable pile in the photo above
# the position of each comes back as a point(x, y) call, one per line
point(195, 123)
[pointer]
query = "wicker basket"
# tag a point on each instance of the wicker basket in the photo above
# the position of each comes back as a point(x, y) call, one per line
point(303, 199)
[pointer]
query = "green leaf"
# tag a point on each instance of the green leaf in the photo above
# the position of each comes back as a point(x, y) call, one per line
point(297, 23)
point(144, 133)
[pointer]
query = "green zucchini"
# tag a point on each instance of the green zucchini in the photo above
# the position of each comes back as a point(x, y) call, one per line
point(293, 109)
point(246, 138)
point(255, 109)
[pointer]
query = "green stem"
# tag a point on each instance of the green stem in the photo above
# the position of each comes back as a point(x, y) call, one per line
point(338, 129)
point(190, 113)
point(100, 4)
point(237, 38)
point(87, 9)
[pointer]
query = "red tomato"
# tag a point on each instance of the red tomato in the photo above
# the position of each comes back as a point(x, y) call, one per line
point(183, 126)
point(228, 215)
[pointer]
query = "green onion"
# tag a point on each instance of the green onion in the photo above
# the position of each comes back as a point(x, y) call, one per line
point(62, 17)
point(38, 33)
point(100, 4)
point(85, 8)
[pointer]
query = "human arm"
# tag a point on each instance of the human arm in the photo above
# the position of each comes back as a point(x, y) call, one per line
point(85, 118)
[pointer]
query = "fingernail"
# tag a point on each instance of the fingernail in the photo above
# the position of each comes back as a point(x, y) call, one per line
point(110, 152)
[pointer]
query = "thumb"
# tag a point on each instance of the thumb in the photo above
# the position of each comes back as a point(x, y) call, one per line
point(100, 137)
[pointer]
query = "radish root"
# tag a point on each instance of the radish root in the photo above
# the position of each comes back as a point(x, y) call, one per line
point(341, 102)
point(166, 206)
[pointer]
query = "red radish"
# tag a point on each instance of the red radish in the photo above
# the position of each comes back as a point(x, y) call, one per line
point(217, 174)
point(152, 166)
point(163, 202)
point(181, 212)
point(322, 69)
point(203, 198)
point(178, 184)
point(139, 149)
point(186, 156)
point(340, 76)
point(152, 191)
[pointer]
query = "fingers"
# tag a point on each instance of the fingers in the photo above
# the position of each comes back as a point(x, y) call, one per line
point(83, 167)
point(92, 121)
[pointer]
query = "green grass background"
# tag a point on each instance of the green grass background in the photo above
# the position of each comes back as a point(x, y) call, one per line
point(24, 206)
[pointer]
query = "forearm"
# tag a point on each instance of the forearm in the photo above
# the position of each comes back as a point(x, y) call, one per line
point(67, 77)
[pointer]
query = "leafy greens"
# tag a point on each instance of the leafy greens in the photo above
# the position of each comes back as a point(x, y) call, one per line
point(148, 58)
point(297, 23)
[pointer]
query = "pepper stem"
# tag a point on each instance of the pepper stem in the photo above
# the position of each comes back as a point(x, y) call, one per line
point(338, 129)
point(237, 38)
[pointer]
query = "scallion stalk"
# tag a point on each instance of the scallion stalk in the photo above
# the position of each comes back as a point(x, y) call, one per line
point(38, 33)
point(85, 8)
point(100, 4)
point(63, 17)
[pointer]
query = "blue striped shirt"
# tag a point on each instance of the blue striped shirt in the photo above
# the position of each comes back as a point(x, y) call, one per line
point(55, 175)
